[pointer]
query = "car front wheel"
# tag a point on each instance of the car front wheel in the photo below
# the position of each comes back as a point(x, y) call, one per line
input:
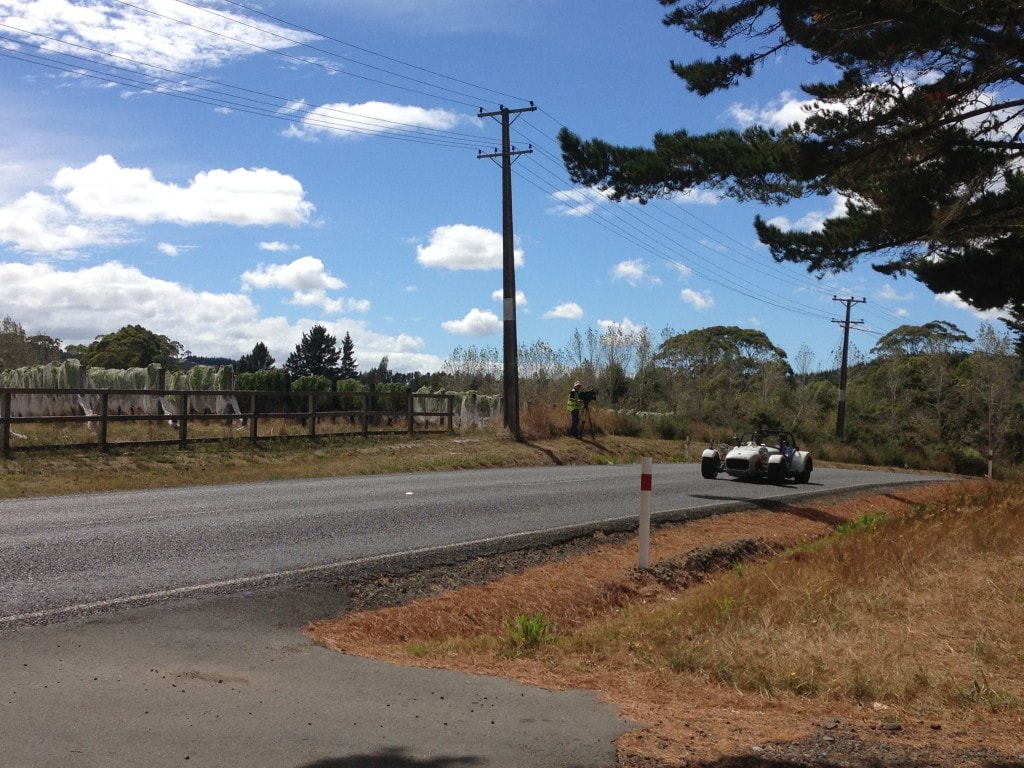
point(709, 467)
point(805, 476)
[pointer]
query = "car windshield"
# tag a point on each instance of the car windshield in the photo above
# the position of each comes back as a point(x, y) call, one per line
point(769, 437)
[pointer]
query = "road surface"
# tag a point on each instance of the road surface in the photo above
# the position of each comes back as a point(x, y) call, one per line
point(66, 556)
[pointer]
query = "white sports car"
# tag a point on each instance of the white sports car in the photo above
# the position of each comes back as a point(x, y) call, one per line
point(768, 453)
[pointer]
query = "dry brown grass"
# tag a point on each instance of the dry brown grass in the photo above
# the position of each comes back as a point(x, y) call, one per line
point(915, 618)
point(36, 473)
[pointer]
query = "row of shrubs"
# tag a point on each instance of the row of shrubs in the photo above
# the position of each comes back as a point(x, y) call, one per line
point(551, 422)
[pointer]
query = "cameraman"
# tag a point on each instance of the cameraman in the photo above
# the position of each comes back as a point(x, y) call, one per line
point(574, 404)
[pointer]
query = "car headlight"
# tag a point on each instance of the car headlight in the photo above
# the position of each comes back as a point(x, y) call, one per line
point(763, 453)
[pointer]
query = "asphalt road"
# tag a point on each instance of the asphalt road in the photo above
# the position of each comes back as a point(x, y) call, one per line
point(164, 628)
point(63, 556)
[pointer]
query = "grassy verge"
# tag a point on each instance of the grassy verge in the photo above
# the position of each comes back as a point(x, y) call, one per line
point(922, 611)
point(915, 604)
point(63, 471)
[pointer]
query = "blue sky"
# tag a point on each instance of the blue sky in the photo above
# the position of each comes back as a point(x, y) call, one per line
point(224, 176)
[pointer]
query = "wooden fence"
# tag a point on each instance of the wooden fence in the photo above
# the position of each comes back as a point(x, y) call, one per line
point(94, 412)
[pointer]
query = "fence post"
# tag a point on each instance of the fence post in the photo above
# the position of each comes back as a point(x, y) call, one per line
point(409, 409)
point(104, 402)
point(366, 412)
point(183, 422)
point(6, 417)
point(451, 412)
point(311, 428)
point(253, 431)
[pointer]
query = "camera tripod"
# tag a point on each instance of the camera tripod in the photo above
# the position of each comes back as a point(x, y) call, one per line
point(585, 420)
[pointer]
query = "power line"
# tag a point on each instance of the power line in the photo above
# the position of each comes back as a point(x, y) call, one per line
point(278, 107)
point(276, 52)
point(256, 11)
point(733, 248)
point(639, 228)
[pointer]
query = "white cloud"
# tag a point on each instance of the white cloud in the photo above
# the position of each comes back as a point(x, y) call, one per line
point(148, 35)
point(813, 221)
point(477, 322)
point(568, 311)
point(699, 300)
point(634, 272)
point(276, 245)
point(582, 201)
point(888, 293)
point(95, 205)
point(683, 270)
point(697, 197)
point(372, 117)
point(104, 190)
point(579, 201)
point(41, 224)
point(626, 326)
point(464, 246)
point(173, 250)
point(783, 111)
point(304, 274)
point(78, 305)
point(357, 305)
point(953, 300)
point(499, 295)
point(309, 282)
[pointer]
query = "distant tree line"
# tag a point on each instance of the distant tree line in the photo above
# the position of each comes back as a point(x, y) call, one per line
point(920, 391)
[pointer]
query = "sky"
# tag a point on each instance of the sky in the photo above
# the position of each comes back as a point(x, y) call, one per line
point(227, 173)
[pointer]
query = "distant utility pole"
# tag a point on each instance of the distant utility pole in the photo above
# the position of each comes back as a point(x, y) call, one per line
point(841, 418)
point(510, 368)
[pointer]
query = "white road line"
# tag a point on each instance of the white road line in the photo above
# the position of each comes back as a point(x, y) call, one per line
point(142, 597)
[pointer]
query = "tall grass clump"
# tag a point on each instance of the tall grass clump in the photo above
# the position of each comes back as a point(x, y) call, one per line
point(528, 631)
point(923, 611)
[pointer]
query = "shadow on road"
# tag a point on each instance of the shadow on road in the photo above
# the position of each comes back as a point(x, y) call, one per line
point(391, 758)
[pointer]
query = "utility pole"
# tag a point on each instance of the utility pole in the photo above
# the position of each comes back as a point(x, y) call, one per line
point(841, 418)
point(510, 367)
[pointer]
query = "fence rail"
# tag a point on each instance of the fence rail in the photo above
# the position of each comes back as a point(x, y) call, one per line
point(320, 414)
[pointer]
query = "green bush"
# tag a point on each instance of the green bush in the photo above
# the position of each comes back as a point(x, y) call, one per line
point(967, 461)
point(669, 428)
point(315, 383)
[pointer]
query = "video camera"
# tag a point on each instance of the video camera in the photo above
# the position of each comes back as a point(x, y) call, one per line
point(588, 396)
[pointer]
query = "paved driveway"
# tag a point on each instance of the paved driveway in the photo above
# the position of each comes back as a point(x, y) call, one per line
point(230, 681)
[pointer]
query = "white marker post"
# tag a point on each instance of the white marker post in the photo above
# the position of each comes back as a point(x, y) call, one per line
point(645, 511)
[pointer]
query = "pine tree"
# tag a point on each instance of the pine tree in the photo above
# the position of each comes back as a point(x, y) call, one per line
point(316, 355)
point(259, 359)
point(919, 132)
point(349, 367)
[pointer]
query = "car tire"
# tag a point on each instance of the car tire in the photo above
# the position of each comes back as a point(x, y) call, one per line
point(805, 476)
point(709, 467)
point(776, 473)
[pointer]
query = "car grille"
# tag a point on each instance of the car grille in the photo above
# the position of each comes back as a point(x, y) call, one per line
point(743, 464)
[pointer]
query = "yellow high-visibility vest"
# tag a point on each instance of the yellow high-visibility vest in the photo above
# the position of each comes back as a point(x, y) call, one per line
point(574, 400)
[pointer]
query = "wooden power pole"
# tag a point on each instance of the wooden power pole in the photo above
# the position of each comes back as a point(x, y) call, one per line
point(510, 345)
point(841, 418)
